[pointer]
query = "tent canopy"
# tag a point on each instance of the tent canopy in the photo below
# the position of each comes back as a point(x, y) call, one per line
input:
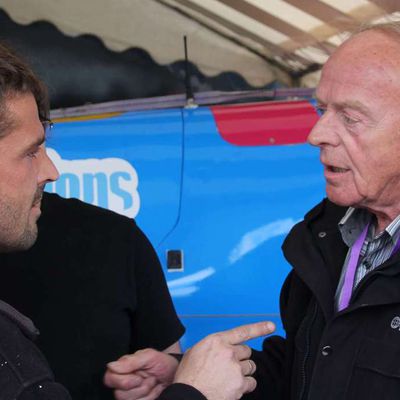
point(263, 40)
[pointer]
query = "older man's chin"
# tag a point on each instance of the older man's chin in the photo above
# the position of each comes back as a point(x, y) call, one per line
point(340, 195)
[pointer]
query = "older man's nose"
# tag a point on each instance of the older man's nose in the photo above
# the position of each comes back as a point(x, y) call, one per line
point(324, 132)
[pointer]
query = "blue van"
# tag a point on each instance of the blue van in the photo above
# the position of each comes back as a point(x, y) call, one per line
point(215, 188)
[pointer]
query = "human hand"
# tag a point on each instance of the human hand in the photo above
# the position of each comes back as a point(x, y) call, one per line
point(142, 375)
point(219, 365)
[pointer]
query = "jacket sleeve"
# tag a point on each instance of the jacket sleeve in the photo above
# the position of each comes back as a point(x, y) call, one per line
point(180, 391)
point(270, 370)
point(273, 360)
point(45, 391)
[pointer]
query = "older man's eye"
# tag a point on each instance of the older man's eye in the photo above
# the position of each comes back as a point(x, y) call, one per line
point(349, 120)
point(320, 110)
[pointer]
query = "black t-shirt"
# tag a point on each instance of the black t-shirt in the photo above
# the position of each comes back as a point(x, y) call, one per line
point(94, 287)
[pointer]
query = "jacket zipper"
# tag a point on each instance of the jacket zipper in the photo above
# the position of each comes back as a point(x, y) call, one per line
point(306, 354)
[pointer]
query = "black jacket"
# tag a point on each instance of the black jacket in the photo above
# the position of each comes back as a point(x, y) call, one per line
point(350, 355)
point(24, 372)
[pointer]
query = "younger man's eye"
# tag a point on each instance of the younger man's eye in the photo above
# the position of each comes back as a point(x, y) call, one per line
point(33, 153)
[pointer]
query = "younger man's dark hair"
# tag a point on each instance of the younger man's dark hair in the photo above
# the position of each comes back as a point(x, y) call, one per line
point(16, 77)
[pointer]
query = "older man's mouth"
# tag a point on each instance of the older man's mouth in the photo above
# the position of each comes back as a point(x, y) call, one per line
point(331, 168)
point(333, 173)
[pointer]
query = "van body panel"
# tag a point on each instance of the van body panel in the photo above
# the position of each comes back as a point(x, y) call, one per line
point(145, 144)
point(210, 185)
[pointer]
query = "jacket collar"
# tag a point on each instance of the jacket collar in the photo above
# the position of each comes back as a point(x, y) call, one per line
point(381, 286)
point(23, 322)
point(308, 248)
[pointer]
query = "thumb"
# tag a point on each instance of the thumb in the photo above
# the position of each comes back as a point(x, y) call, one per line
point(246, 332)
point(132, 362)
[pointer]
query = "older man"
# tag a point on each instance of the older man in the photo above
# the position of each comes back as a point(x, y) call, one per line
point(340, 305)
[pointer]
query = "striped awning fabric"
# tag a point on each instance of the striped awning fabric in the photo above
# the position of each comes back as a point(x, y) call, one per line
point(263, 40)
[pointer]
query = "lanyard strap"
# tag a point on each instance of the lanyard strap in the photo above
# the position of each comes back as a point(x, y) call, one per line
point(351, 269)
point(397, 247)
point(352, 265)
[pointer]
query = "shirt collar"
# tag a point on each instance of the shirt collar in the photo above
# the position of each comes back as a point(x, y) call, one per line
point(393, 229)
point(352, 224)
point(354, 221)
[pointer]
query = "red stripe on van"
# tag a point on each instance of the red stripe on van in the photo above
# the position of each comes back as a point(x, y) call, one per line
point(266, 123)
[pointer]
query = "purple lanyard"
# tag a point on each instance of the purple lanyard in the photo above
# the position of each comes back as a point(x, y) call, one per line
point(352, 265)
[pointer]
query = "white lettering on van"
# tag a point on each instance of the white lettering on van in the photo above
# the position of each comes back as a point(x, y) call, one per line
point(109, 182)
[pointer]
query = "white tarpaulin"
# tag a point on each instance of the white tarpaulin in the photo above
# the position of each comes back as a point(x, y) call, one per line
point(263, 40)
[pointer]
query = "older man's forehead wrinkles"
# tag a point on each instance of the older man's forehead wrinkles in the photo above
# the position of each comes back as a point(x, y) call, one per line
point(345, 104)
point(353, 105)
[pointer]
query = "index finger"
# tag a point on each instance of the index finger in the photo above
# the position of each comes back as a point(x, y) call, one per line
point(246, 332)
